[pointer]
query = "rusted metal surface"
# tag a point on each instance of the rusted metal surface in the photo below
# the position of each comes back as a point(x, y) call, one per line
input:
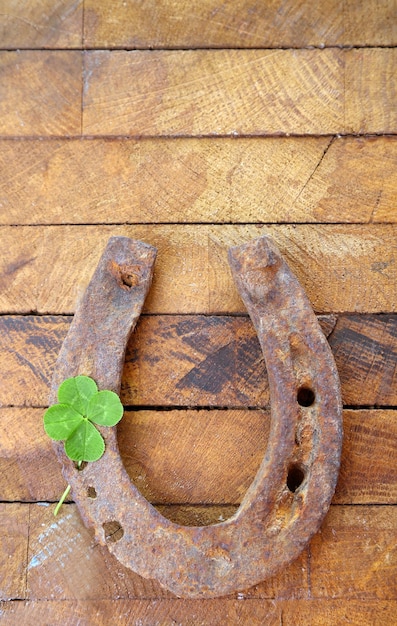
point(294, 485)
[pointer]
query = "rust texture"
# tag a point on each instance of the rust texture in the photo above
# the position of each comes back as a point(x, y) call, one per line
point(292, 490)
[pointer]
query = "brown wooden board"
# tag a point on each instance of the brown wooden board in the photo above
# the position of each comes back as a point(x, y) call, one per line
point(241, 24)
point(337, 566)
point(299, 179)
point(195, 126)
point(57, 548)
point(43, 24)
point(234, 92)
point(204, 612)
point(14, 531)
point(192, 361)
point(364, 540)
point(197, 457)
point(41, 93)
point(343, 268)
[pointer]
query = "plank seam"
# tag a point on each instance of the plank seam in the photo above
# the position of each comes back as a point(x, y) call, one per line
point(213, 223)
point(213, 136)
point(163, 408)
point(85, 48)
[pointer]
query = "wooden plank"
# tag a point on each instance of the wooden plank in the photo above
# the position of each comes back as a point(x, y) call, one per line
point(326, 612)
point(14, 528)
point(209, 23)
point(204, 612)
point(355, 554)
point(234, 92)
point(217, 92)
point(65, 562)
point(44, 24)
point(369, 24)
point(366, 355)
point(355, 177)
point(295, 179)
point(342, 267)
point(58, 548)
point(167, 612)
point(368, 473)
point(371, 90)
point(41, 93)
point(199, 360)
point(218, 455)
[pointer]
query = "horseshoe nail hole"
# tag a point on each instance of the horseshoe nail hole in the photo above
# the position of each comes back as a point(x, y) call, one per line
point(91, 492)
point(305, 396)
point(295, 478)
point(128, 280)
point(80, 465)
point(113, 531)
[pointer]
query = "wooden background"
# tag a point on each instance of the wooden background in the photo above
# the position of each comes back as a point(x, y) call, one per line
point(195, 125)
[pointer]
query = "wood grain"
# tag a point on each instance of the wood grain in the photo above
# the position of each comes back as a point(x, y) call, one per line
point(234, 92)
point(58, 548)
point(218, 92)
point(276, 180)
point(169, 612)
point(355, 554)
point(244, 23)
point(327, 612)
point(343, 268)
point(186, 147)
point(218, 455)
point(44, 24)
point(355, 180)
point(144, 612)
point(14, 529)
point(41, 93)
point(370, 81)
point(199, 360)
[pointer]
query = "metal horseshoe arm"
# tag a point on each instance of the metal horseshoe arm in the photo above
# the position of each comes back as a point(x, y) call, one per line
point(294, 485)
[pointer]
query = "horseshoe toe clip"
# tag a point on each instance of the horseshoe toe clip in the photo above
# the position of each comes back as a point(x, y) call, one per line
point(292, 490)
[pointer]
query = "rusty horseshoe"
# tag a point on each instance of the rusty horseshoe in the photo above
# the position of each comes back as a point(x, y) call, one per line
point(292, 491)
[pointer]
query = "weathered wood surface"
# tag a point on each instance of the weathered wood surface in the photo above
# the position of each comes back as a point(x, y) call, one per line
point(241, 24)
point(233, 92)
point(41, 93)
point(41, 24)
point(353, 557)
point(273, 180)
point(26, 24)
point(204, 612)
point(14, 531)
point(198, 92)
point(68, 118)
point(343, 268)
point(199, 360)
point(219, 454)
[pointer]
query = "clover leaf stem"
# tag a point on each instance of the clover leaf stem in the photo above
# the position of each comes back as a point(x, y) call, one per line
point(64, 495)
point(62, 500)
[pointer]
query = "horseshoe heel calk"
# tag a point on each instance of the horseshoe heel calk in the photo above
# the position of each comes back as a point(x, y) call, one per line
point(294, 485)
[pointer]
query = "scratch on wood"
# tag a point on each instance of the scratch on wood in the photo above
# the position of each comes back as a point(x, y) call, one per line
point(376, 206)
point(315, 169)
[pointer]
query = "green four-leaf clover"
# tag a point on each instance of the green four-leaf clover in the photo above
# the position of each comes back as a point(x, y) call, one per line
point(81, 406)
